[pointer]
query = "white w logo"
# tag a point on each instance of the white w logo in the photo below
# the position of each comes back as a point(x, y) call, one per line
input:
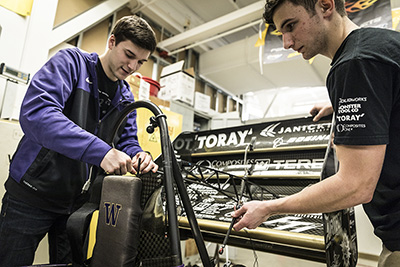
point(112, 212)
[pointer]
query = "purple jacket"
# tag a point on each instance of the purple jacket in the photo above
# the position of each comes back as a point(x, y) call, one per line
point(60, 117)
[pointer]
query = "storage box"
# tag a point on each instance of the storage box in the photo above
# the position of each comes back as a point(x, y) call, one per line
point(202, 102)
point(159, 102)
point(139, 87)
point(144, 90)
point(13, 96)
point(134, 83)
point(152, 141)
point(177, 84)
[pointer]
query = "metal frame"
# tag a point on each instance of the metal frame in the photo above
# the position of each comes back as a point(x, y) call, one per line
point(171, 173)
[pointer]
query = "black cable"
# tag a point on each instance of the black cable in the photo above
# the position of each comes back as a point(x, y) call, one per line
point(253, 248)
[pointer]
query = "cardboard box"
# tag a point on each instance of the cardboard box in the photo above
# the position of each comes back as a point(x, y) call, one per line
point(159, 102)
point(177, 84)
point(202, 102)
point(139, 87)
point(144, 90)
point(151, 142)
point(12, 100)
point(134, 83)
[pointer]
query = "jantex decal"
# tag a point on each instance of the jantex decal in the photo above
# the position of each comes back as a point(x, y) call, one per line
point(269, 131)
point(288, 131)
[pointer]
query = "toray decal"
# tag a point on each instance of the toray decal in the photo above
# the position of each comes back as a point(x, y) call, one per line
point(112, 211)
point(220, 140)
point(353, 117)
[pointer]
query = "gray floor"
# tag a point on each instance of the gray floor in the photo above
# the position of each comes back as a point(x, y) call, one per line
point(236, 255)
point(265, 259)
point(250, 258)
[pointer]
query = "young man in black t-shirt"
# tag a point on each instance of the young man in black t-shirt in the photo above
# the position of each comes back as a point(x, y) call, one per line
point(364, 88)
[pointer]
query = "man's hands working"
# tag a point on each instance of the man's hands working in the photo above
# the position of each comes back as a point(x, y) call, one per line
point(146, 163)
point(117, 162)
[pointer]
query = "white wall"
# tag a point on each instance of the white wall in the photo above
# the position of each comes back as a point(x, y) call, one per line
point(368, 242)
point(24, 41)
point(12, 38)
point(24, 45)
point(282, 102)
point(36, 48)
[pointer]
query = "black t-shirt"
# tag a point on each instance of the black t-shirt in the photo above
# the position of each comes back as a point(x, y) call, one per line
point(107, 89)
point(364, 87)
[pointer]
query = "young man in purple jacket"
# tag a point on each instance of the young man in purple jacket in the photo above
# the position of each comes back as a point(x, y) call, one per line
point(68, 110)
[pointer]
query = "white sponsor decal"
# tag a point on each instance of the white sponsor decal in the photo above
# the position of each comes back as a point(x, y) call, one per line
point(238, 138)
point(349, 127)
point(312, 128)
point(352, 99)
point(268, 164)
point(349, 108)
point(349, 114)
point(216, 140)
point(235, 138)
point(291, 223)
point(269, 131)
point(353, 117)
point(300, 139)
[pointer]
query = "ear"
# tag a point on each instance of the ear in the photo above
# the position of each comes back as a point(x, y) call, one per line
point(111, 41)
point(326, 6)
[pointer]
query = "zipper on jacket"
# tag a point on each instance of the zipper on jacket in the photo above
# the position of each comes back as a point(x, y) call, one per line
point(86, 186)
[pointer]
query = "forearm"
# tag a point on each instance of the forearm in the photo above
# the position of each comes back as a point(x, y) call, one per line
point(329, 195)
point(353, 184)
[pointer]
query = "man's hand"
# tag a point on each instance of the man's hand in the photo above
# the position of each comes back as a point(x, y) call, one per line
point(116, 162)
point(321, 110)
point(146, 163)
point(251, 215)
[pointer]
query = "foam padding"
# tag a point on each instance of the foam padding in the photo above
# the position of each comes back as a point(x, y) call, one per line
point(118, 228)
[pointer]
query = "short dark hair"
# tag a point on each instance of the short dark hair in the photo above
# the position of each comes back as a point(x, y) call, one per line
point(136, 30)
point(309, 5)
